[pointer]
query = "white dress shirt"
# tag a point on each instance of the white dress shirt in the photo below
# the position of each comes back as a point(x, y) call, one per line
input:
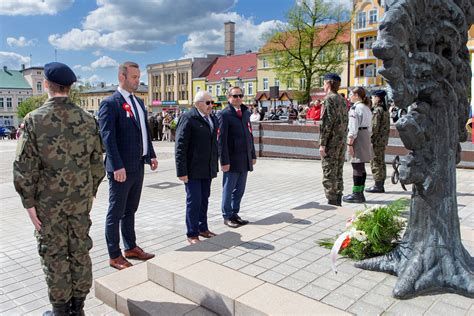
point(360, 116)
point(141, 116)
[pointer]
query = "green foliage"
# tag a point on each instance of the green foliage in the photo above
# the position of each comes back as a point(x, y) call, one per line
point(35, 102)
point(31, 104)
point(307, 46)
point(173, 125)
point(381, 227)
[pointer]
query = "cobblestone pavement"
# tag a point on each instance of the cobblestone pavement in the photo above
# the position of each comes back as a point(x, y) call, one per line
point(275, 186)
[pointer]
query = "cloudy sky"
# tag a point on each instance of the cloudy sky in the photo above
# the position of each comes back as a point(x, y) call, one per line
point(93, 37)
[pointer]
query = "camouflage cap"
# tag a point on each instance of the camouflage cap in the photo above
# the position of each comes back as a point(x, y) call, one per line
point(59, 73)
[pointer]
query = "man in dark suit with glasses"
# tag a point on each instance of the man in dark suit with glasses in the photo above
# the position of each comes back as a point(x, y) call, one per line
point(196, 162)
point(237, 155)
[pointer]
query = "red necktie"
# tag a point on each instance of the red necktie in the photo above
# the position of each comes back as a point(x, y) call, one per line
point(239, 113)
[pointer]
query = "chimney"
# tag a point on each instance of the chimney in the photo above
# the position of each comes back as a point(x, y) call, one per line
point(229, 31)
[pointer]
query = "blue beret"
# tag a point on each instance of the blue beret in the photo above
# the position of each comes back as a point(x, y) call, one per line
point(59, 73)
point(332, 76)
point(379, 93)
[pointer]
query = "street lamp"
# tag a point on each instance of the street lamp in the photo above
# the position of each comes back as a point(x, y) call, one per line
point(225, 85)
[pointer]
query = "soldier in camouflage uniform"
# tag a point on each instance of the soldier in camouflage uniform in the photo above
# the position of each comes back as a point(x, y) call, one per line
point(380, 135)
point(333, 131)
point(57, 170)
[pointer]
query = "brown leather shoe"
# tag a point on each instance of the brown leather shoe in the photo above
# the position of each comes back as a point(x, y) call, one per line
point(193, 240)
point(138, 253)
point(119, 263)
point(207, 234)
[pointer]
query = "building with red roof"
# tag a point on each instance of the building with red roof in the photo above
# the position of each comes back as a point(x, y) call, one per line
point(228, 71)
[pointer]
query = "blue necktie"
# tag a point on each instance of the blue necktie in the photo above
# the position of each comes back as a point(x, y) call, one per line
point(137, 116)
point(208, 122)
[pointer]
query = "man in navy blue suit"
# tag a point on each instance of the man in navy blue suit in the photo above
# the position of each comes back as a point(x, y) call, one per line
point(237, 155)
point(126, 137)
point(197, 162)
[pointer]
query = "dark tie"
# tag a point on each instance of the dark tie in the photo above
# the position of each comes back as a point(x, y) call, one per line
point(206, 117)
point(239, 113)
point(137, 116)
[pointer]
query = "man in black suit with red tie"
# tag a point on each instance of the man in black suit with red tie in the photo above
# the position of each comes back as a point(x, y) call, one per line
point(126, 136)
point(237, 155)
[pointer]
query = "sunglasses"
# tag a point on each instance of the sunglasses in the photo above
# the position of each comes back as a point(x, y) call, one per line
point(207, 102)
point(235, 96)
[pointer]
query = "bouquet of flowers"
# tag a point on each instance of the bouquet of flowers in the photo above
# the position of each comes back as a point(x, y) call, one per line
point(369, 233)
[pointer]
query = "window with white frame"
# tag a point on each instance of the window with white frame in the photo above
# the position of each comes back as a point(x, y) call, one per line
point(366, 42)
point(198, 89)
point(1, 103)
point(366, 70)
point(9, 103)
point(302, 83)
point(218, 90)
point(19, 101)
point(209, 89)
point(250, 88)
point(361, 20)
point(277, 82)
point(265, 83)
point(289, 83)
point(372, 16)
point(39, 86)
point(264, 63)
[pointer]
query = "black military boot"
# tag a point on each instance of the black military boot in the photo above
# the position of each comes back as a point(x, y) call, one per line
point(59, 310)
point(356, 197)
point(339, 200)
point(77, 306)
point(377, 188)
point(332, 202)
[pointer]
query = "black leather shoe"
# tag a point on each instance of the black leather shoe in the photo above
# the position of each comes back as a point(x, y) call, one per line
point(339, 200)
point(333, 202)
point(375, 189)
point(356, 197)
point(240, 220)
point(231, 223)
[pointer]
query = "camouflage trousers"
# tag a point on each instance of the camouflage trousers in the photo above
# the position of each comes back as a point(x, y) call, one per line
point(63, 245)
point(333, 165)
point(377, 164)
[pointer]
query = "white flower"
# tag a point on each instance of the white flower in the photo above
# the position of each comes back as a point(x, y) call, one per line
point(359, 235)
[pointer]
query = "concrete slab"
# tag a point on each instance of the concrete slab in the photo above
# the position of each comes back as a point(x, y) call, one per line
point(162, 267)
point(108, 286)
point(151, 299)
point(213, 286)
point(269, 299)
point(239, 236)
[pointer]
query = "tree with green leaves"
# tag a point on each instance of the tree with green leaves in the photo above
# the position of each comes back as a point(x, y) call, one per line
point(311, 43)
point(31, 104)
point(34, 102)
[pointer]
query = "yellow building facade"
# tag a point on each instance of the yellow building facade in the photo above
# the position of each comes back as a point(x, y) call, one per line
point(91, 98)
point(367, 15)
point(366, 20)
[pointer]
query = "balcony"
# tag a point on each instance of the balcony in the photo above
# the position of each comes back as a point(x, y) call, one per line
point(358, 27)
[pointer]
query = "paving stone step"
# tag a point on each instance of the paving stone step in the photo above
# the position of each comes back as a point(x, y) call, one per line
point(151, 299)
